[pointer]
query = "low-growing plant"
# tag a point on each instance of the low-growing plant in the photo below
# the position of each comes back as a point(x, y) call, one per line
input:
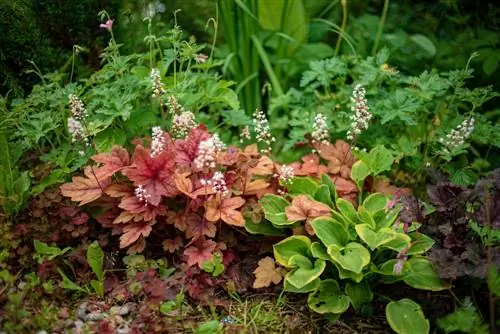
point(95, 259)
point(344, 252)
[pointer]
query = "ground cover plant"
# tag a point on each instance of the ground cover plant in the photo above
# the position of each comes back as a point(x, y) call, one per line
point(145, 198)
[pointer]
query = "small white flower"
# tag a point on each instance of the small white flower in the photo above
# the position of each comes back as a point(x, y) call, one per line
point(285, 174)
point(157, 141)
point(263, 131)
point(183, 123)
point(142, 194)
point(459, 135)
point(157, 88)
point(207, 152)
point(362, 116)
point(320, 129)
point(218, 183)
point(245, 134)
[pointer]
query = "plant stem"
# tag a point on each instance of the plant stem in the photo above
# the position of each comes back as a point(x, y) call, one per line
point(380, 27)
point(342, 28)
point(489, 256)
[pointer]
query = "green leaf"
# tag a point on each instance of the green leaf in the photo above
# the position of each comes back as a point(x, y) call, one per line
point(490, 64)
point(66, 283)
point(95, 258)
point(359, 172)
point(420, 243)
point(288, 17)
point(98, 287)
point(347, 274)
point(406, 317)
point(376, 239)
point(375, 202)
point(464, 319)
point(50, 252)
point(353, 257)
point(347, 210)
point(318, 250)
point(494, 279)
point(274, 209)
point(366, 217)
point(208, 327)
point(323, 195)
point(330, 231)
point(423, 276)
point(327, 180)
point(328, 298)
point(359, 294)
point(288, 287)
point(106, 139)
point(236, 118)
point(263, 227)
point(294, 245)
point(303, 272)
point(425, 43)
point(378, 160)
point(303, 185)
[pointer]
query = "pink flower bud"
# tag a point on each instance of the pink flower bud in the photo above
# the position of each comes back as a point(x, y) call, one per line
point(108, 25)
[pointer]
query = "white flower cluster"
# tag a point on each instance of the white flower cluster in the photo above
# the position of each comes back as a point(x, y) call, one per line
point(157, 88)
point(182, 124)
point(361, 116)
point(218, 183)
point(76, 121)
point(286, 173)
point(263, 131)
point(157, 141)
point(207, 152)
point(459, 135)
point(245, 134)
point(174, 107)
point(320, 129)
point(142, 194)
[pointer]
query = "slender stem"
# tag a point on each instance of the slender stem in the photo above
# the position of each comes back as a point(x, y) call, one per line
point(342, 28)
point(380, 26)
point(489, 256)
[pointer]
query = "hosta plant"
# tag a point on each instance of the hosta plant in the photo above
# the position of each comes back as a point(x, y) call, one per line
point(345, 249)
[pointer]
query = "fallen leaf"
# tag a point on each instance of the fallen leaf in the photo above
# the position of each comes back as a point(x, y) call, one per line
point(266, 273)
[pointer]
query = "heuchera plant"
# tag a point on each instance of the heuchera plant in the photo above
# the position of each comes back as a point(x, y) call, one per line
point(192, 183)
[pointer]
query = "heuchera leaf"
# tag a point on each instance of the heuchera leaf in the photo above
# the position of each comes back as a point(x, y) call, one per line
point(146, 212)
point(339, 156)
point(132, 232)
point(84, 189)
point(225, 209)
point(171, 245)
point(266, 273)
point(186, 149)
point(112, 162)
point(201, 252)
point(303, 208)
point(155, 175)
